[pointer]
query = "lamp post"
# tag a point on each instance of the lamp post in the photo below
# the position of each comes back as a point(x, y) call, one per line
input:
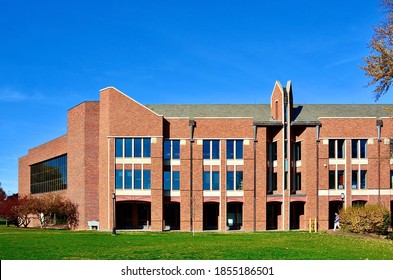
point(342, 199)
point(114, 213)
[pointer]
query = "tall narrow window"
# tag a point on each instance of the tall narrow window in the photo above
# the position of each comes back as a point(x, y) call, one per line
point(172, 180)
point(274, 181)
point(128, 179)
point(176, 180)
point(340, 179)
point(167, 180)
point(128, 147)
point(298, 181)
point(239, 180)
point(332, 179)
point(119, 178)
point(298, 151)
point(146, 179)
point(137, 147)
point(230, 180)
point(363, 179)
point(146, 147)
point(137, 179)
point(119, 147)
point(273, 151)
point(354, 178)
point(206, 180)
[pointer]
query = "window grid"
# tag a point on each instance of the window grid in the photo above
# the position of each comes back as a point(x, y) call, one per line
point(133, 147)
point(171, 149)
point(171, 180)
point(211, 180)
point(359, 148)
point(234, 149)
point(133, 179)
point(211, 149)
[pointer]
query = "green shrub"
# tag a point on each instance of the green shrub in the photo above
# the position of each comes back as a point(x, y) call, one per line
point(365, 219)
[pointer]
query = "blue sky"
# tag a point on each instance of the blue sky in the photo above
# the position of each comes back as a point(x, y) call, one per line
point(56, 54)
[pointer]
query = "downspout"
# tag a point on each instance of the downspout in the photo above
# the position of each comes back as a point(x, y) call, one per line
point(192, 126)
point(318, 127)
point(379, 125)
point(255, 178)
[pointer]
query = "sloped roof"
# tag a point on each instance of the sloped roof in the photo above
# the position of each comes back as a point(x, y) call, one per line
point(261, 112)
point(312, 112)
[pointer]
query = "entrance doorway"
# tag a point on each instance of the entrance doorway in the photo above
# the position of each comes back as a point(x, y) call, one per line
point(273, 211)
point(235, 215)
point(297, 211)
point(133, 215)
point(172, 216)
point(334, 207)
point(211, 212)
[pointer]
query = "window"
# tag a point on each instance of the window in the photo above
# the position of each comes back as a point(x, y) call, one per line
point(298, 151)
point(133, 147)
point(273, 151)
point(119, 179)
point(49, 175)
point(336, 148)
point(274, 181)
point(171, 180)
point(336, 179)
point(211, 149)
point(128, 180)
point(211, 180)
point(359, 179)
point(298, 181)
point(133, 179)
point(234, 180)
point(146, 179)
point(234, 149)
point(359, 148)
point(171, 149)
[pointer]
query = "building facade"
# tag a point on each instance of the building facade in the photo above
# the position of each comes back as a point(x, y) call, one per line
point(215, 167)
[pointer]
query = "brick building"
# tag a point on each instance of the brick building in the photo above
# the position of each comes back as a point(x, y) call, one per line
point(215, 167)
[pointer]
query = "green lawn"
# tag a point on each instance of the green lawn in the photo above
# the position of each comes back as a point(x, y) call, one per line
point(32, 244)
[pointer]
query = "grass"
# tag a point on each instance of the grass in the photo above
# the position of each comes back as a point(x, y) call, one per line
point(37, 244)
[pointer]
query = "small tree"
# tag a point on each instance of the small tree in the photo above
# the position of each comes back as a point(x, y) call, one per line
point(22, 211)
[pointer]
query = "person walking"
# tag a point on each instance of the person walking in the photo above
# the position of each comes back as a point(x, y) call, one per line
point(336, 221)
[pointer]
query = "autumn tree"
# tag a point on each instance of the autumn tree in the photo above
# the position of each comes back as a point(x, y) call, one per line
point(379, 63)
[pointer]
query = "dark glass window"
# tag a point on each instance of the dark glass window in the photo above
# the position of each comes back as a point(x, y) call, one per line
point(167, 149)
point(171, 149)
point(298, 151)
point(146, 147)
point(48, 176)
point(332, 179)
point(340, 149)
point(128, 147)
point(273, 151)
point(176, 180)
point(137, 179)
point(363, 179)
point(215, 180)
point(147, 179)
point(211, 149)
point(230, 149)
point(167, 180)
point(359, 148)
point(274, 181)
point(340, 179)
point(128, 179)
point(354, 178)
point(215, 149)
point(119, 147)
point(119, 178)
point(176, 149)
point(230, 181)
point(332, 149)
point(239, 149)
point(137, 147)
point(298, 181)
point(239, 180)
point(206, 180)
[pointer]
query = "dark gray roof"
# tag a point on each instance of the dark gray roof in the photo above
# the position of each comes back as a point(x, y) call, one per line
point(261, 112)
